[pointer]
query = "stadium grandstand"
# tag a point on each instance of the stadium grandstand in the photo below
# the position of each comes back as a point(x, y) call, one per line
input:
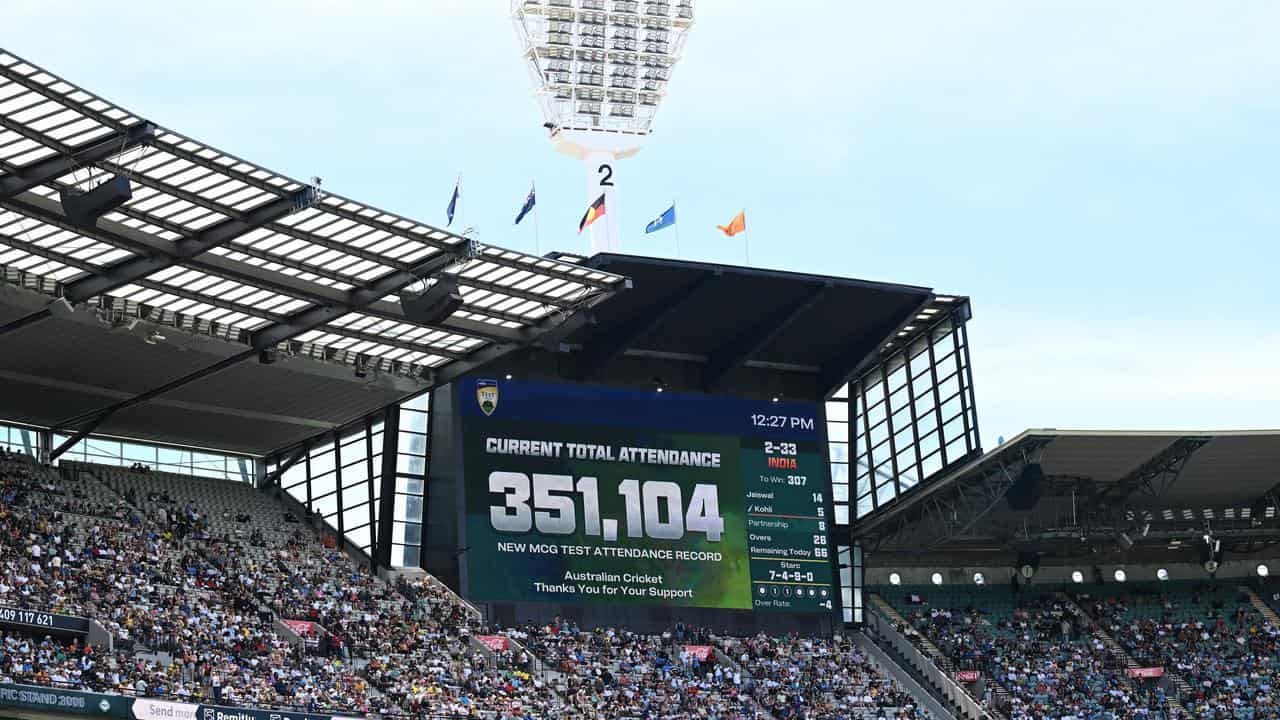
point(269, 453)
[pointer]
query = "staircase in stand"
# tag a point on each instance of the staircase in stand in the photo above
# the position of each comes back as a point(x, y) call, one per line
point(1260, 605)
point(940, 659)
point(1175, 706)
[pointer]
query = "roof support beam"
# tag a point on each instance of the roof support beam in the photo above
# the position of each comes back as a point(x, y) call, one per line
point(91, 153)
point(301, 322)
point(722, 361)
point(140, 266)
point(1156, 476)
point(599, 353)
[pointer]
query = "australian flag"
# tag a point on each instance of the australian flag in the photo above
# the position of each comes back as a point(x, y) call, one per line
point(665, 219)
point(529, 202)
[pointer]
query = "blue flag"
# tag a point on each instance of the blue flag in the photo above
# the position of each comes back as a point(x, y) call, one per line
point(665, 219)
point(529, 202)
point(453, 202)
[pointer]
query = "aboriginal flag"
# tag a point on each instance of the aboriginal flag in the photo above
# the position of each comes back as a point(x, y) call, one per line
point(595, 212)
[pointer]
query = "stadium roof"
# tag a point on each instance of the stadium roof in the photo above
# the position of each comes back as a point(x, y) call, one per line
point(728, 320)
point(223, 249)
point(1150, 485)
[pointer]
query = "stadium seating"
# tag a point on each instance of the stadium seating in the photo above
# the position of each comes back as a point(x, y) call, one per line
point(1041, 657)
point(193, 576)
point(1208, 633)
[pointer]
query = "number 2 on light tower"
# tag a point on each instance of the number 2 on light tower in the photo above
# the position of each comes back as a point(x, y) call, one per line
point(606, 175)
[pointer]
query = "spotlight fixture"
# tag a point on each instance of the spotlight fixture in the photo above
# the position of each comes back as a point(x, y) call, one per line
point(508, 376)
point(659, 385)
point(154, 338)
point(775, 399)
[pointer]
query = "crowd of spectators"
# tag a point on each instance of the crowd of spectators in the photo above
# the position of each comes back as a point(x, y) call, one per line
point(1213, 638)
point(1045, 658)
point(192, 593)
point(615, 673)
point(801, 678)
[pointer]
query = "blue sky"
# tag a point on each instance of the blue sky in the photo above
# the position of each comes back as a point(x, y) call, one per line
point(1102, 178)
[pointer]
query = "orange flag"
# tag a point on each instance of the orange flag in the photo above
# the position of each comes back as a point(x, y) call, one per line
point(735, 226)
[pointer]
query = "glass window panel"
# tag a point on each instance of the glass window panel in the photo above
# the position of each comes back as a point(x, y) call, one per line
point(411, 464)
point(173, 456)
point(209, 461)
point(361, 537)
point(842, 514)
point(839, 452)
point(105, 448)
point(353, 453)
point(408, 556)
point(208, 472)
point(931, 464)
point(840, 493)
point(956, 450)
point(842, 391)
point(327, 506)
point(357, 496)
point(407, 533)
point(140, 453)
point(357, 472)
point(294, 476)
point(421, 403)
point(413, 486)
point(355, 517)
point(322, 462)
point(838, 411)
point(884, 493)
point(875, 412)
point(412, 444)
point(408, 508)
point(376, 440)
point(839, 474)
point(413, 422)
point(897, 379)
point(324, 484)
point(838, 432)
point(864, 504)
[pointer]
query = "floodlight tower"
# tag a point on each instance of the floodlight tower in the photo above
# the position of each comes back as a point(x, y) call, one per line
point(600, 70)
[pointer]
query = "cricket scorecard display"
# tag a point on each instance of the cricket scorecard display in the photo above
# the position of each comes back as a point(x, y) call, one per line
point(605, 495)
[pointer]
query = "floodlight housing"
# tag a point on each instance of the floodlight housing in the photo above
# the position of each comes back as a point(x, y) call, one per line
point(600, 70)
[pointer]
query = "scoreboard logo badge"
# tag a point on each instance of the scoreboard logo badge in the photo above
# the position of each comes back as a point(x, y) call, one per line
point(487, 395)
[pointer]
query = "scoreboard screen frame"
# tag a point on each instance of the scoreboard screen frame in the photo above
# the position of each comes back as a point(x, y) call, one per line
point(766, 422)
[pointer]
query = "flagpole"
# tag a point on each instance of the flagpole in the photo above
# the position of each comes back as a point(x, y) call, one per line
point(462, 205)
point(677, 224)
point(537, 241)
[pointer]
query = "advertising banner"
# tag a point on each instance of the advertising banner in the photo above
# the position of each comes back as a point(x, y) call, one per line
point(968, 675)
point(701, 652)
point(1145, 672)
point(145, 709)
point(608, 495)
point(23, 619)
point(54, 700)
point(496, 643)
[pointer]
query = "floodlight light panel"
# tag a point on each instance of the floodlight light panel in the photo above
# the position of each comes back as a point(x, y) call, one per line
point(578, 49)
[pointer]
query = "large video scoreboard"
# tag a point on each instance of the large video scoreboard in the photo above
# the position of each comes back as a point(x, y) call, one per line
point(606, 495)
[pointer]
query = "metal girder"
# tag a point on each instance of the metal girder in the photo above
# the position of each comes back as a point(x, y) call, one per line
point(724, 359)
point(91, 153)
point(602, 350)
point(952, 514)
point(273, 478)
point(222, 233)
point(140, 266)
point(297, 324)
point(1155, 476)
